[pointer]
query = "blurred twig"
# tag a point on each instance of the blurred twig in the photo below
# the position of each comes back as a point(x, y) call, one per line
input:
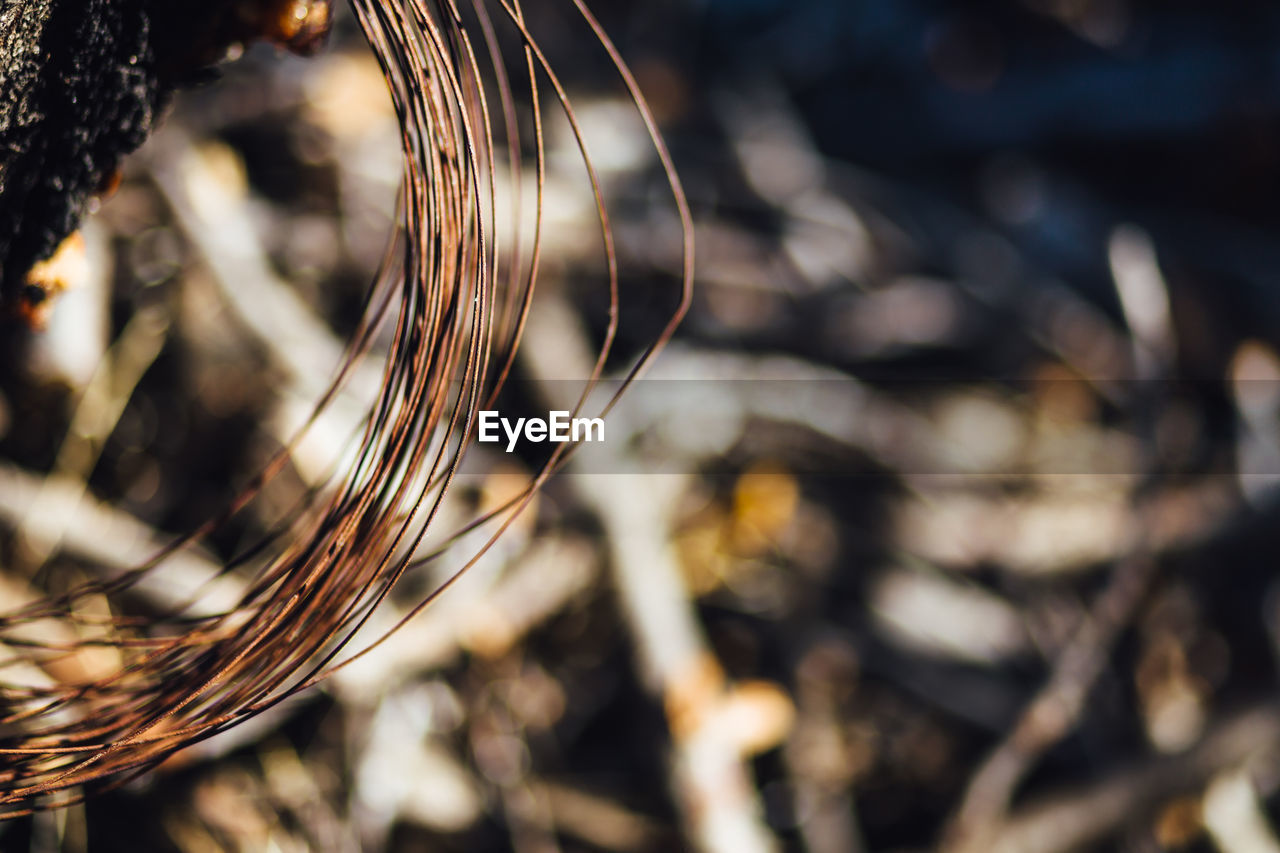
point(716, 795)
point(206, 189)
point(1056, 708)
point(104, 399)
point(1054, 711)
point(1072, 820)
point(210, 200)
point(1234, 817)
point(118, 542)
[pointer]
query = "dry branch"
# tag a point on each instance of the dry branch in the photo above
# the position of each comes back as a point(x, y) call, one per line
point(1073, 820)
point(716, 795)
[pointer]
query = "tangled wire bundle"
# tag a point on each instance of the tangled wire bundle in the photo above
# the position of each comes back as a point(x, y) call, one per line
point(452, 297)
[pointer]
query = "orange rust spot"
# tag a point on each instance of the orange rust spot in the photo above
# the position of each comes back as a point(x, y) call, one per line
point(304, 27)
point(300, 26)
point(109, 184)
point(67, 267)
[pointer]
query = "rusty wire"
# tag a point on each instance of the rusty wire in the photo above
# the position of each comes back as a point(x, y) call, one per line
point(455, 290)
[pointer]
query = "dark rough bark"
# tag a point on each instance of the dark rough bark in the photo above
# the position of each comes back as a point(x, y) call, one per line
point(82, 83)
point(81, 88)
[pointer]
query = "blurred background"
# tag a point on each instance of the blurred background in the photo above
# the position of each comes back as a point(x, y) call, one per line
point(944, 523)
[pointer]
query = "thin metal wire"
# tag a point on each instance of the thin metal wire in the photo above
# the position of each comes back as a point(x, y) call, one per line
point(459, 316)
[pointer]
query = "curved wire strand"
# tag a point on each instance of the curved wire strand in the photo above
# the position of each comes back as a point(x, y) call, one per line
point(456, 304)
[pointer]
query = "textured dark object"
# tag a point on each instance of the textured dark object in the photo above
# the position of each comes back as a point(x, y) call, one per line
point(82, 83)
point(81, 88)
